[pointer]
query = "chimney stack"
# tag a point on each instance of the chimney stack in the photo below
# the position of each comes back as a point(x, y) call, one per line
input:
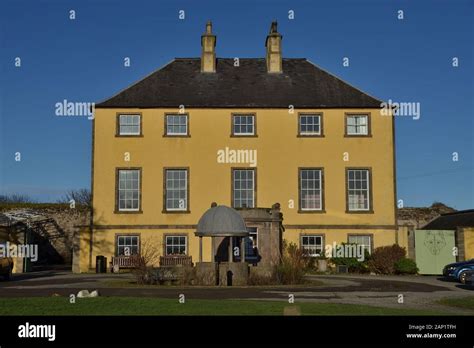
point(273, 45)
point(208, 55)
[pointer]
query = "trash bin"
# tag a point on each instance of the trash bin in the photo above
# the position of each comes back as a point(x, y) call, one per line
point(100, 264)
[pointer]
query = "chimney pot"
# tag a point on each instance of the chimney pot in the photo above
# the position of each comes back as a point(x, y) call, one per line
point(209, 27)
point(273, 28)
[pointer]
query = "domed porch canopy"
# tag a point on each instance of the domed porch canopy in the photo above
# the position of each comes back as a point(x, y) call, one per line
point(221, 221)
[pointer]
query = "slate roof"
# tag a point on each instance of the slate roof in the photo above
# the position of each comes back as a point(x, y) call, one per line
point(451, 221)
point(302, 84)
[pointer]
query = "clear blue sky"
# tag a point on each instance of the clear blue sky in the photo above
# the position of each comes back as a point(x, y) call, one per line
point(406, 60)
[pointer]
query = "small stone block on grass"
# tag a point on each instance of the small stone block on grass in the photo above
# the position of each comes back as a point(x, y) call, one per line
point(292, 310)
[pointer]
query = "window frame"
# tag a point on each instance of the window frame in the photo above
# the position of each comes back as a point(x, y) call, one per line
point(322, 236)
point(172, 235)
point(117, 127)
point(370, 235)
point(123, 235)
point(176, 135)
point(118, 210)
point(233, 170)
point(243, 135)
point(311, 135)
point(351, 114)
point(370, 208)
point(256, 233)
point(176, 211)
point(321, 180)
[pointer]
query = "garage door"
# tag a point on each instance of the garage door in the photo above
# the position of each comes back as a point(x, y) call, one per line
point(434, 250)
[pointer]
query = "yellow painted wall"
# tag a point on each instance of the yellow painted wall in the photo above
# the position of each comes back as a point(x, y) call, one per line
point(81, 251)
point(403, 237)
point(279, 154)
point(468, 243)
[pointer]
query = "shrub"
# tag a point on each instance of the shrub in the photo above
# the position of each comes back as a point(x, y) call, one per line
point(406, 266)
point(383, 259)
point(263, 279)
point(353, 265)
point(293, 265)
point(148, 258)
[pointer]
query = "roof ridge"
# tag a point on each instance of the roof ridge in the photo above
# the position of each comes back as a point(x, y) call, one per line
point(256, 58)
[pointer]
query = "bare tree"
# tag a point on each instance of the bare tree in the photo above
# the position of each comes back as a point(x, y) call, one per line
point(80, 197)
point(147, 259)
point(15, 198)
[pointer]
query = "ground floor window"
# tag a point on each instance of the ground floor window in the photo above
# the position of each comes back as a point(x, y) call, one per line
point(128, 245)
point(176, 245)
point(365, 240)
point(312, 244)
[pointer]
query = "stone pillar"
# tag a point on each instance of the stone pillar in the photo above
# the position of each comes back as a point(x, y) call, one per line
point(200, 248)
point(213, 249)
point(230, 249)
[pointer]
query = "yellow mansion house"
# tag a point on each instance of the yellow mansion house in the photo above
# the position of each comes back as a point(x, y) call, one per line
point(300, 154)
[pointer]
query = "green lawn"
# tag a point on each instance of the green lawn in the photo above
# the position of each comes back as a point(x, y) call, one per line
point(157, 306)
point(464, 302)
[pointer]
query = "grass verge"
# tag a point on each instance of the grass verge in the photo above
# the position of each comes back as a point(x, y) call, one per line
point(158, 306)
point(463, 302)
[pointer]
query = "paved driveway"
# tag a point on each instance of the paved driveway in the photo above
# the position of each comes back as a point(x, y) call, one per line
point(417, 291)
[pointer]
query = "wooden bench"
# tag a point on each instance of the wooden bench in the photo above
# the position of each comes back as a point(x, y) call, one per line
point(176, 260)
point(125, 262)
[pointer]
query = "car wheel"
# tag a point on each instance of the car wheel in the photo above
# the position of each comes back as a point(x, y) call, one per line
point(462, 277)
